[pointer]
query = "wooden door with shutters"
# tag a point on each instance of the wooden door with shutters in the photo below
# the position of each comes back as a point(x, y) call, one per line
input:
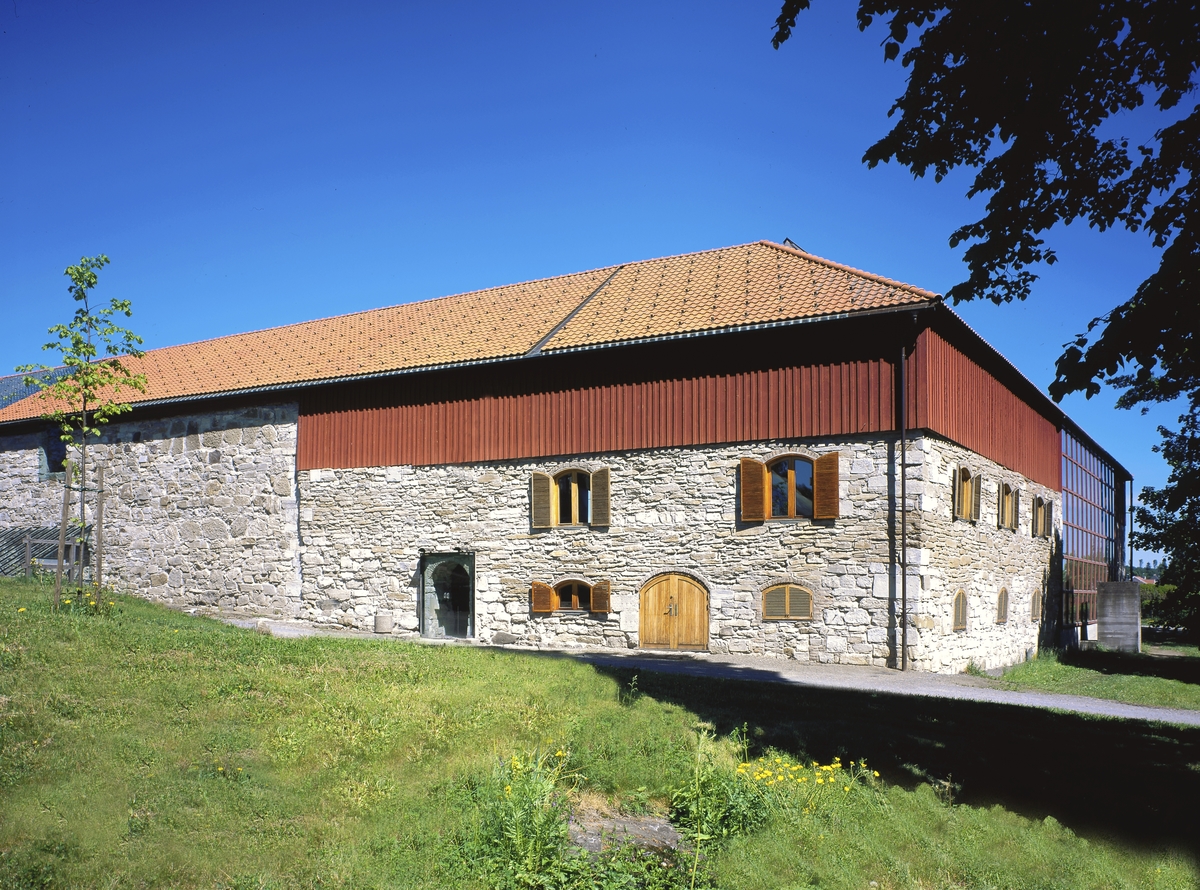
point(673, 614)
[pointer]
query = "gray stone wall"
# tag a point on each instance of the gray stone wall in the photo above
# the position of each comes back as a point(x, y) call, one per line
point(978, 558)
point(675, 510)
point(199, 510)
point(209, 510)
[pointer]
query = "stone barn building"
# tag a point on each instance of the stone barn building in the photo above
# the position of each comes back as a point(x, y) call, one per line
point(701, 452)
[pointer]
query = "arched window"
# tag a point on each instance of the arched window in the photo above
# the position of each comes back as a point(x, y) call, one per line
point(784, 601)
point(1002, 606)
point(572, 497)
point(1035, 607)
point(1008, 506)
point(1042, 520)
point(571, 596)
point(791, 488)
point(960, 610)
point(967, 490)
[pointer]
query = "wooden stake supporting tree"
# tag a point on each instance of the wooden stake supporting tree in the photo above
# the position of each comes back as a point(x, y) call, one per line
point(85, 397)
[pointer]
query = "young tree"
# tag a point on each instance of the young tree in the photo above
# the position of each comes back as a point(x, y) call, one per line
point(92, 346)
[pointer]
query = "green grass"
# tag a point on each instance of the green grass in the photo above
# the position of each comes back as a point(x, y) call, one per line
point(1161, 680)
point(152, 749)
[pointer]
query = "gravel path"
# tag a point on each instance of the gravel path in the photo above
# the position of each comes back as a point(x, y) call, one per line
point(819, 676)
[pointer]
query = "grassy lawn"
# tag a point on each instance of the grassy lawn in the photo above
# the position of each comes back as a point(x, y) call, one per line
point(150, 749)
point(1167, 675)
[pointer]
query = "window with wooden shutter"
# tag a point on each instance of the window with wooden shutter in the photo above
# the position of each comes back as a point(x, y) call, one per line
point(1043, 518)
point(541, 513)
point(791, 488)
point(1035, 607)
point(1002, 606)
point(571, 501)
point(541, 598)
point(960, 610)
point(963, 492)
point(787, 601)
point(826, 496)
point(602, 596)
point(1048, 519)
point(601, 501)
point(753, 477)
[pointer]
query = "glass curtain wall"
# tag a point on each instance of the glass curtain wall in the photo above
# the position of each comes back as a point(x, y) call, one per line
point(1093, 528)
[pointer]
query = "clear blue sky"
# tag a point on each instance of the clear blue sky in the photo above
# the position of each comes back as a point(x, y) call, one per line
point(253, 164)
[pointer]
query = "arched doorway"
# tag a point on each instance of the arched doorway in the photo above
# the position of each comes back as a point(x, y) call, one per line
point(673, 614)
point(447, 595)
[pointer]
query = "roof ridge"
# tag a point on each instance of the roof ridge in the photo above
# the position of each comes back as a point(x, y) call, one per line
point(871, 276)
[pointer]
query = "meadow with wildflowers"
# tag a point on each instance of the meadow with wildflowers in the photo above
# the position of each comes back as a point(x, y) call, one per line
point(141, 747)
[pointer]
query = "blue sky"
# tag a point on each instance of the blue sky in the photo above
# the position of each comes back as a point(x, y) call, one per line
point(253, 164)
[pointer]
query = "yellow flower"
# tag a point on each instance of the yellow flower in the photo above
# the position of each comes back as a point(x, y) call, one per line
point(22, 609)
point(846, 788)
point(111, 603)
point(220, 769)
point(66, 602)
point(820, 781)
point(177, 630)
point(508, 789)
point(877, 774)
point(559, 753)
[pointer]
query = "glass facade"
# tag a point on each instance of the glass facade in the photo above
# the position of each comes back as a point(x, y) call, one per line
point(1093, 527)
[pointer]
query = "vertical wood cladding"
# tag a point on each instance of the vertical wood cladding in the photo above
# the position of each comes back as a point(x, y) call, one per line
point(776, 403)
point(953, 395)
point(830, 380)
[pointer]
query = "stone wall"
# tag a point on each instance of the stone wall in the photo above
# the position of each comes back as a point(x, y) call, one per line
point(979, 558)
point(199, 510)
point(209, 510)
point(675, 510)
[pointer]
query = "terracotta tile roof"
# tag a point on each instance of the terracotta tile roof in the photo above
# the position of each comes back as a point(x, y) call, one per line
point(709, 291)
point(751, 284)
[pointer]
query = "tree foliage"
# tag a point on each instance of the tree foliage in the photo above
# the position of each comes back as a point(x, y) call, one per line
point(1031, 95)
point(1168, 520)
point(1021, 93)
point(91, 346)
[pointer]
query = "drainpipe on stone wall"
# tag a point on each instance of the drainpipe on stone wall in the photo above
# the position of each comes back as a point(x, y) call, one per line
point(903, 513)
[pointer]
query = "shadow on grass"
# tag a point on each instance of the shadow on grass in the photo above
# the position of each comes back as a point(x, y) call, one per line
point(1134, 782)
point(1183, 668)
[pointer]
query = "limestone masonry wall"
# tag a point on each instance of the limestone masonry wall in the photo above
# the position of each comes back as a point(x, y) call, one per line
point(675, 510)
point(209, 510)
point(199, 510)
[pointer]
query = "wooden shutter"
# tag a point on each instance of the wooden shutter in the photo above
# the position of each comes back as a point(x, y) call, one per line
point(754, 490)
point(775, 602)
point(541, 488)
point(960, 610)
point(1035, 607)
point(541, 598)
point(1016, 513)
point(602, 596)
point(826, 498)
point(601, 503)
point(1002, 607)
point(1039, 515)
point(1048, 519)
point(800, 604)
point(976, 492)
point(956, 498)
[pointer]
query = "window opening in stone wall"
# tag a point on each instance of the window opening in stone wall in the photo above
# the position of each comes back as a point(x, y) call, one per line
point(1002, 606)
point(967, 494)
point(1008, 504)
point(787, 601)
point(52, 452)
point(570, 596)
point(1035, 606)
point(791, 488)
point(573, 490)
point(570, 498)
point(960, 610)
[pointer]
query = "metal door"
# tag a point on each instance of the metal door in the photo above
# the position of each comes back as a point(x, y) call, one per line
point(448, 595)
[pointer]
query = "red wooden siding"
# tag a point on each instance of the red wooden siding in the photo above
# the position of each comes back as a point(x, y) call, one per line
point(957, 398)
point(421, 428)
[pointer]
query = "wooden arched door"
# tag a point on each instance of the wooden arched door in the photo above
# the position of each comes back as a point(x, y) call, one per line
point(673, 614)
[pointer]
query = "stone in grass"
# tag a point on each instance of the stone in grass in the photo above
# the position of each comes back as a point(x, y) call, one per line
point(595, 827)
